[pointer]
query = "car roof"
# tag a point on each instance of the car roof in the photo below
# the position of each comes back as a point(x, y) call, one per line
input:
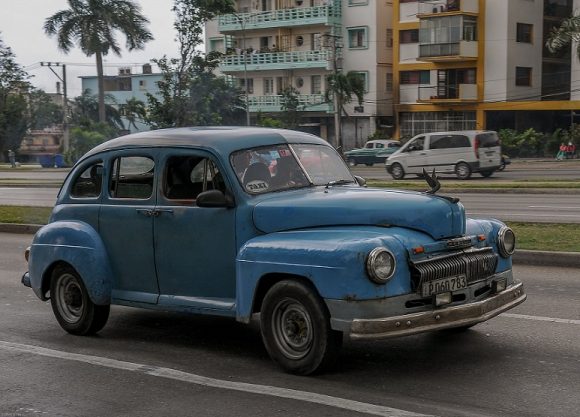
point(458, 132)
point(223, 140)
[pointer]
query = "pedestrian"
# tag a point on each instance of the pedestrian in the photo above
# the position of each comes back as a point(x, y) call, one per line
point(561, 152)
point(12, 158)
point(573, 150)
point(569, 150)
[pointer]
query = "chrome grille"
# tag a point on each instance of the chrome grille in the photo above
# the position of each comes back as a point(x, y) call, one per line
point(475, 264)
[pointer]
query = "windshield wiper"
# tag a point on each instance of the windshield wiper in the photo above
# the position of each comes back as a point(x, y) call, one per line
point(339, 182)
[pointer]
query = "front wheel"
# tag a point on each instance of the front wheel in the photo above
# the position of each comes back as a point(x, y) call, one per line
point(397, 172)
point(352, 162)
point(295, 327)
point(463, 171)
point(486, 174)
point(72, 307)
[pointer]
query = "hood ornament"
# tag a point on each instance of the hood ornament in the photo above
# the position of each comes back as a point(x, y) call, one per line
point(435, 185)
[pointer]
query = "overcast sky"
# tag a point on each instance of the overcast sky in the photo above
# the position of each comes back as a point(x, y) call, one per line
point(21, 23)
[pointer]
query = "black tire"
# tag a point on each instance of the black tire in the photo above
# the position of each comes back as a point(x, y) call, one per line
point(501, 166)
point(351, 162)
point(296, 331)
point(397, 171)
point(486, 174)
point(463, 171)
point(369, 165)
point(72, 307)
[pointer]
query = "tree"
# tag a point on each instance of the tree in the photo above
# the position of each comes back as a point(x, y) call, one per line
point(134, 110)
point(290, 102)
point(93, 24)
point(43, 111)
point(13, 108)
point(565, 34)
point(85, 112)
point(341, 88)
point(189, 93)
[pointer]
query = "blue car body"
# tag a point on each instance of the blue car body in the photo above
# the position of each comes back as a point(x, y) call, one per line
point(154, 252)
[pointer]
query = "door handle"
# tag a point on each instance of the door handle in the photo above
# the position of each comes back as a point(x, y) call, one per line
point(157, 212)
point(145, 212)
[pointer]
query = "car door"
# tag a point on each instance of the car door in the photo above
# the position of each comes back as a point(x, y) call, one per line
point(416, 156)
point(446, 150)
point(126, 226)
point(195, 248)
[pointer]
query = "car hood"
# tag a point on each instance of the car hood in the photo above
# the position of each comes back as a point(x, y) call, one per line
point(341, 205)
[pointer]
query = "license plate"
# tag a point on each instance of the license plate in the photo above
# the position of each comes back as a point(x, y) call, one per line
point(444, 285)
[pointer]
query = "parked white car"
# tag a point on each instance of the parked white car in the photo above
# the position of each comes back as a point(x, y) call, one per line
point(461, 153)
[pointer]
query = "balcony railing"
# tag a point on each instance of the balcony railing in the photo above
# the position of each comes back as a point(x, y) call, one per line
point(427, 7)
point(306, 102)
point(276, 60)
point(318, 15)
point(448, 51)
point(458, 92)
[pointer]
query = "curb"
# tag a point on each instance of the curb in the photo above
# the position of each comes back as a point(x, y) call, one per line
point(520, 257)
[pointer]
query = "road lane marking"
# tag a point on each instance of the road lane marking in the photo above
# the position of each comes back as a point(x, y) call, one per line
point(540, 318)
point(174, 374)
point(555, 207)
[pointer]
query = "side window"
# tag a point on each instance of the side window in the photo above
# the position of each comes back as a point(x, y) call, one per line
point(188, 176)
point(369, 145)
point(449, 141)
point(416, 145)
point(380, 145)
point(89, 183)
point(132, 177)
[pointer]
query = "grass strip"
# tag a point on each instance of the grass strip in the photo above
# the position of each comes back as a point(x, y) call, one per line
point(534, 236)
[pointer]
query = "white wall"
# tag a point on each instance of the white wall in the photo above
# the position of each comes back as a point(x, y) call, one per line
point(496, 50)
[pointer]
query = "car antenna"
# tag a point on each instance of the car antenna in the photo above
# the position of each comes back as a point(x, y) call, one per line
point(435, 185)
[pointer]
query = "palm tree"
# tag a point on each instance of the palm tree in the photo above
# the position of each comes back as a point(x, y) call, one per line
point(341, 88)
point(134, 110)
point(565, 34)
point(92, 24)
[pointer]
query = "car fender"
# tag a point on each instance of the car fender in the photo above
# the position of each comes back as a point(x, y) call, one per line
point(333, 260)
point(75, 243)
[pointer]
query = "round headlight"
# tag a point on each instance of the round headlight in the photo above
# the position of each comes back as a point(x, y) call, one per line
point(506, 241)
point(380, 265)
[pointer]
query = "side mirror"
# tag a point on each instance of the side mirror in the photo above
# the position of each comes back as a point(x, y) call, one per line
point(214, 199)
point(360, 181)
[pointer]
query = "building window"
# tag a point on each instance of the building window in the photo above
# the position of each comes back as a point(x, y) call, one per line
point(389, 82)
point(217, 45)
point(357, 37)
point(415, 77)
point(358, 2)
point(524, 33)
point(523, 76)
point(409, 36)
point(389, 38)
point(364, 75)
point(316, 84)
point(142, 85)
point(125, 84)
point(242, 84)
point(268, 86)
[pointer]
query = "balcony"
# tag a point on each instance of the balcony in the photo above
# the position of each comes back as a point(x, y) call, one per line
point(442, 52)
point(319, 15)
point(273, 104)
point(448, 93)
point(277, 61)
point(427, 8)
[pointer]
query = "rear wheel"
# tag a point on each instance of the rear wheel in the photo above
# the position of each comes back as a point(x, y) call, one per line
point(296, 331)
point(486, 174)
point(72, 307)
point(397, 171)
point(352, 162)
point(463, 171)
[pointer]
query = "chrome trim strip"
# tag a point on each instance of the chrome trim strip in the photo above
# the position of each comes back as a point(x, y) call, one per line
point(438, 319)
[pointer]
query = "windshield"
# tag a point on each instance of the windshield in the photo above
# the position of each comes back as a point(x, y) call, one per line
point(274, 168)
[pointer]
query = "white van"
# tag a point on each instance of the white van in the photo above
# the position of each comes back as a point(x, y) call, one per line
point(461, 153)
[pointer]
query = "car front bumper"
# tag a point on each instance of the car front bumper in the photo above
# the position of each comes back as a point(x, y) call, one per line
point(440, 318)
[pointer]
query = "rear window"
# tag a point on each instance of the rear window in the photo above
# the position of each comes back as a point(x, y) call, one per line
point(488, 140)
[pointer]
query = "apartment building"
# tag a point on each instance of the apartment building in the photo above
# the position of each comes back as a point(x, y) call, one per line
point(272, 44)
point(127, 84)
point(482, 64)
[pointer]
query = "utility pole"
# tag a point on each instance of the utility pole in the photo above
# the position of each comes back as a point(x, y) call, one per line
point(335, 99)
point(65, 130)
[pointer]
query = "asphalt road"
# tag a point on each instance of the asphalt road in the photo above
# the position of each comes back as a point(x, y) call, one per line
point(522, 363)
point(559, 208)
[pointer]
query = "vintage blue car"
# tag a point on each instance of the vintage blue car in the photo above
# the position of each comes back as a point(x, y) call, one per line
point(201, 220)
